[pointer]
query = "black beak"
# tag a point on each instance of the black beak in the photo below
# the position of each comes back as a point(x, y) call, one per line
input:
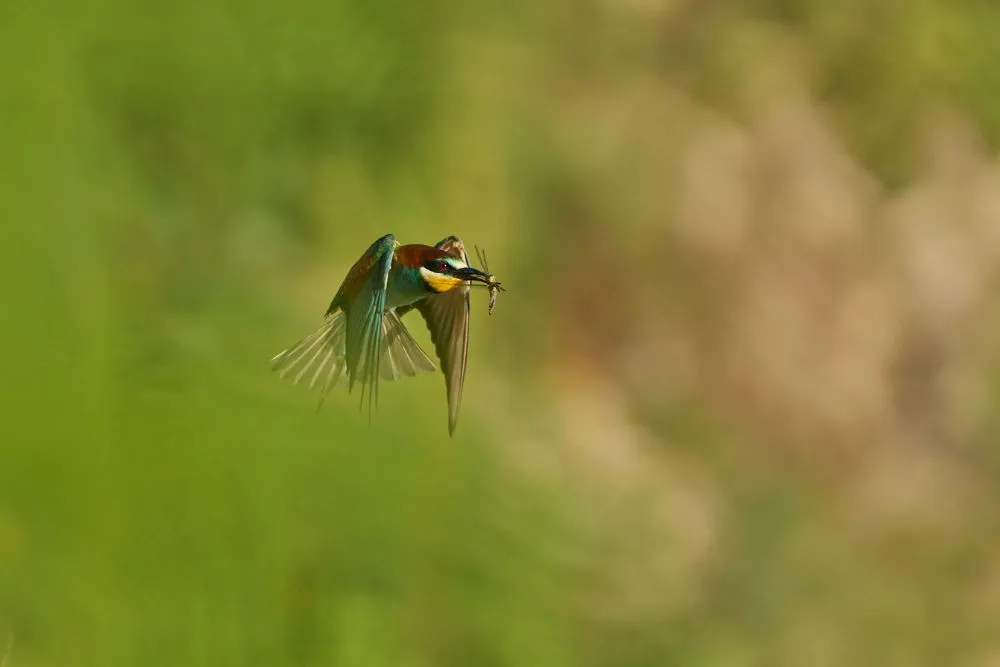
point(469, 273)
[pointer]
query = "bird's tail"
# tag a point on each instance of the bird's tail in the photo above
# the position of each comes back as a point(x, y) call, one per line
point(320, 356)
point(401, 355)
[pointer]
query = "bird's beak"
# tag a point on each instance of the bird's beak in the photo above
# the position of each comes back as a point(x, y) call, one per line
point(469, 273)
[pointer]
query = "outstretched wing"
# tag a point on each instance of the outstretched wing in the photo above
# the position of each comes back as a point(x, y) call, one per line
point(318, 355)
point(447, 317)
point(358, 336)
point(322, 354)
point(363, 299)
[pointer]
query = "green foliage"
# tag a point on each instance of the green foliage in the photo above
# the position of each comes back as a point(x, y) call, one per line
point(183, 185)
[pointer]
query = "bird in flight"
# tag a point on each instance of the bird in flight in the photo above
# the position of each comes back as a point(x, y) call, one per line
point(362, 334)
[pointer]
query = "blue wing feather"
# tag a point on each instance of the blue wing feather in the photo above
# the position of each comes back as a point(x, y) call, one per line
point(364, 322)
point(358, 337)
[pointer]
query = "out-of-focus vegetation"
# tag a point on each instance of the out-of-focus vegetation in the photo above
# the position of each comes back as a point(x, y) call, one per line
point(738, 407)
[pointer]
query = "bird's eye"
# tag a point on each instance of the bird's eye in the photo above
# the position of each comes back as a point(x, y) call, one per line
point(443, 267)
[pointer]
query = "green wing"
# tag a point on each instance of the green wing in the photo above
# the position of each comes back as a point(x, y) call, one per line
point(365, 309)
point(355, 327)
point(322, 354)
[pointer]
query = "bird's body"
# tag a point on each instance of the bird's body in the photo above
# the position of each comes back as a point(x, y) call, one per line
point(362, 334)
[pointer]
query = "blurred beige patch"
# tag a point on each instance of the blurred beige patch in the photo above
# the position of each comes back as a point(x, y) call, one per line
point(841, 326)
point(654, 509)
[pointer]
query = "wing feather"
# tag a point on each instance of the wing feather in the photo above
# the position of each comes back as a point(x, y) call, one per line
point(364, 322)
point(447, 317)
point(361, 339)
point(322, 345)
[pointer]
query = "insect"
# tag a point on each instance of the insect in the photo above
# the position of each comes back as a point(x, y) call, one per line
point(494, 285)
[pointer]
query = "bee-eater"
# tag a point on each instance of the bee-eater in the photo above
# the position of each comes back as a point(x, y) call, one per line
point(362, 333)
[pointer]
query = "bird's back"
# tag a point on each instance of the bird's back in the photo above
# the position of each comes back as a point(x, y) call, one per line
point(405, 285)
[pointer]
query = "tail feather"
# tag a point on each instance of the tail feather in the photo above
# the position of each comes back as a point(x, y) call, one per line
point(322, 354)
point(402, 355)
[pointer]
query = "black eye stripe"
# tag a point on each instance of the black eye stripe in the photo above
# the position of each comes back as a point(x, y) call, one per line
point(439, 266)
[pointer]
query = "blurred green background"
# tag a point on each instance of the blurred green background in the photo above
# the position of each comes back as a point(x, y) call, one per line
point(738, 407)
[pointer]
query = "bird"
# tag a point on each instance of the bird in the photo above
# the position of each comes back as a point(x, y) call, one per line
point(363, 336)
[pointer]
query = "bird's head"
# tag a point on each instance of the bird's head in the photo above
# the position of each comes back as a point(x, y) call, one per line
point(442, 272)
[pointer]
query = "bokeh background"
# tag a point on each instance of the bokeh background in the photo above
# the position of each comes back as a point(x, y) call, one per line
point(738, 407)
